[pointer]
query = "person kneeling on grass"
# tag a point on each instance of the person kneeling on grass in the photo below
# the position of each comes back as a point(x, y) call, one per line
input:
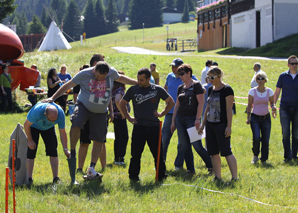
point(41, 120)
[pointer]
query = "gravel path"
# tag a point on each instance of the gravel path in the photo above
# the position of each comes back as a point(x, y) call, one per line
point(142, 51)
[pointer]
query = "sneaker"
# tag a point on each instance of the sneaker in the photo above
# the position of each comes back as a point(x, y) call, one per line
point(134, 179)
point(255, 159)
point(178, 168)
point(91, 173)
point(56, 180)
point(190, 173)
point(121, 163)
point(116, 163)
point(216, 179)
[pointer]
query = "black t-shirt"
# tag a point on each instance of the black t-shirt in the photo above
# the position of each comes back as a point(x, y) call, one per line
point(145, 100)
point(188, 100)
point(217, 104)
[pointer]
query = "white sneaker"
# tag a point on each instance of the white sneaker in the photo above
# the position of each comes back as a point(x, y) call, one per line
point(91, 173)
point(255, 159)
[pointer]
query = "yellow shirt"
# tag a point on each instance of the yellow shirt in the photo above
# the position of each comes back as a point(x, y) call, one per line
point(155, 74)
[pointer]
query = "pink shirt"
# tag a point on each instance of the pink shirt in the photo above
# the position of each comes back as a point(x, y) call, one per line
point(261, 100)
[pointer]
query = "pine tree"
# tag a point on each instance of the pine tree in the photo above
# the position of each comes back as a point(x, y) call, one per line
point(45, 18)
point(99, 22)
point(36, 27)
point(180, 5)
point(112, 21)
point(72, 23)
point(89, 16)
point(139, 13)
point(170, 3)
point(58, 10)
point(185, 16)
point(6, 8)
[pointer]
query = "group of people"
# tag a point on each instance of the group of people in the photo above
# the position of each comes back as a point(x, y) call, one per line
point(205, 106)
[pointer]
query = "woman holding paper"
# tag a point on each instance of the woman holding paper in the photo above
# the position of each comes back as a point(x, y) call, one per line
point(218, 121)
point(187, 114)
point(260, 122)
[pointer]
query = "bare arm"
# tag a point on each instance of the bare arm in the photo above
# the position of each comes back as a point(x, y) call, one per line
point(51, 84)
point(276, 94)
point(273, 108)
point(123, 109)
point(249, 107)
point(173, 126)
point(200, 98)
point(157, 81)
point(111, 114)
point(204, 120)
point(229, 106)
point(118, 98)
point(27, 127)
point(166, 88)
point(65, 87)
point(170, 103)
point(126, 80)
point(63, 138)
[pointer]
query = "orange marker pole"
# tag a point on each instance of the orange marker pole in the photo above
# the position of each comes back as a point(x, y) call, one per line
point(6, 189)
point(13, 174)
point(158, 152)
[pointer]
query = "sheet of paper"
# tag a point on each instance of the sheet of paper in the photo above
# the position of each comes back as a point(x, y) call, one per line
point(194, 135)
point(31, 87)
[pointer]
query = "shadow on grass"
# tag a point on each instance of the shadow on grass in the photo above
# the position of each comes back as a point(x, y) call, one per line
point(144, 187)
point(233, 51)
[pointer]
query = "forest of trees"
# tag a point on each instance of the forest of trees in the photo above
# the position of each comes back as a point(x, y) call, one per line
point(94, 17)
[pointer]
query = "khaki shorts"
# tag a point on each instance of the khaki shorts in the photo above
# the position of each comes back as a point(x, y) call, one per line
point(97, 122)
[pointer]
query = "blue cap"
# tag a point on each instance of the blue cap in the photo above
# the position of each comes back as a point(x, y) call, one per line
point(177, 62)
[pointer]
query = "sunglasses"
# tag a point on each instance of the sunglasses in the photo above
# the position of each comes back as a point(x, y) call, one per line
point(181, 73)
point(212, 77)
point(293, 64)
point(260, 78)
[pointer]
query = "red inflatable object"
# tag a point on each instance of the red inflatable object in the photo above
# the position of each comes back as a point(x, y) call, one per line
point(11, 48)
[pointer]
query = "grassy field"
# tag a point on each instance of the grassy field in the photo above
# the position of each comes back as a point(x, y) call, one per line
point(261, 188)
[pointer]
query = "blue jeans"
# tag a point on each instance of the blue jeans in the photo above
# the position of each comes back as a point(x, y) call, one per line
point(289, 114)
point(260, 125)
point(166, 138)
point(182, 124)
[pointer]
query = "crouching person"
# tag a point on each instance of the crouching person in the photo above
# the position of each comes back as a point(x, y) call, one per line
point(41, 120)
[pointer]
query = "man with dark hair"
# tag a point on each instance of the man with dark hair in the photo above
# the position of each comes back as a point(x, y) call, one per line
point(288, 83)
point(173, 81)
point(145, 98)
point(154, 73)
point(205, 70)
point(40, 121)
point(92, 103)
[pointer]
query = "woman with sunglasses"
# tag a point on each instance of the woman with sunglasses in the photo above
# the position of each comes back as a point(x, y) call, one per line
point(187, 113)
point(218, 121)
point(259, 119)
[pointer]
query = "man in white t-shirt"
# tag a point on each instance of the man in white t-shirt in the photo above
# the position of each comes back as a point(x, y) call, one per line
point(204, 71)
point(257, 69)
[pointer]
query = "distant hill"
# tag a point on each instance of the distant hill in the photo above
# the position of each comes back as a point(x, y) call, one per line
point(32, 7)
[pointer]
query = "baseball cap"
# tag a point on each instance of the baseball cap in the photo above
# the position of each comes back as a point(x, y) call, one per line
point(176, 62)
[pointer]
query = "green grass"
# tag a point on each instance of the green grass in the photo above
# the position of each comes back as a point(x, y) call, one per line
point(273, 184)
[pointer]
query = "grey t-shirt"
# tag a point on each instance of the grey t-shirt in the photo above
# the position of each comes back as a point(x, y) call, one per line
point(145, 100)
point(95, 95)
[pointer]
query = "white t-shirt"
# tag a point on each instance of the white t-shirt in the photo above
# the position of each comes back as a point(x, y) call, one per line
point(253, 82)
point(251, 92)
point(204, 75)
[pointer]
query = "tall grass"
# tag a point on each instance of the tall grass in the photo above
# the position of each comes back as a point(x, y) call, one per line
point(273, 184)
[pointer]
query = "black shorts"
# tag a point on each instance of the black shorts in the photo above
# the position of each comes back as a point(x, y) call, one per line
point(50, 141)
point(216, 140)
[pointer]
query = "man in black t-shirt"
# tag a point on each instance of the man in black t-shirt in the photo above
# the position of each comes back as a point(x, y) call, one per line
point(145, 98)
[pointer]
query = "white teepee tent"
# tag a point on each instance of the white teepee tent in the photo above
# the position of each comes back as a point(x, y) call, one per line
point(54, 39)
